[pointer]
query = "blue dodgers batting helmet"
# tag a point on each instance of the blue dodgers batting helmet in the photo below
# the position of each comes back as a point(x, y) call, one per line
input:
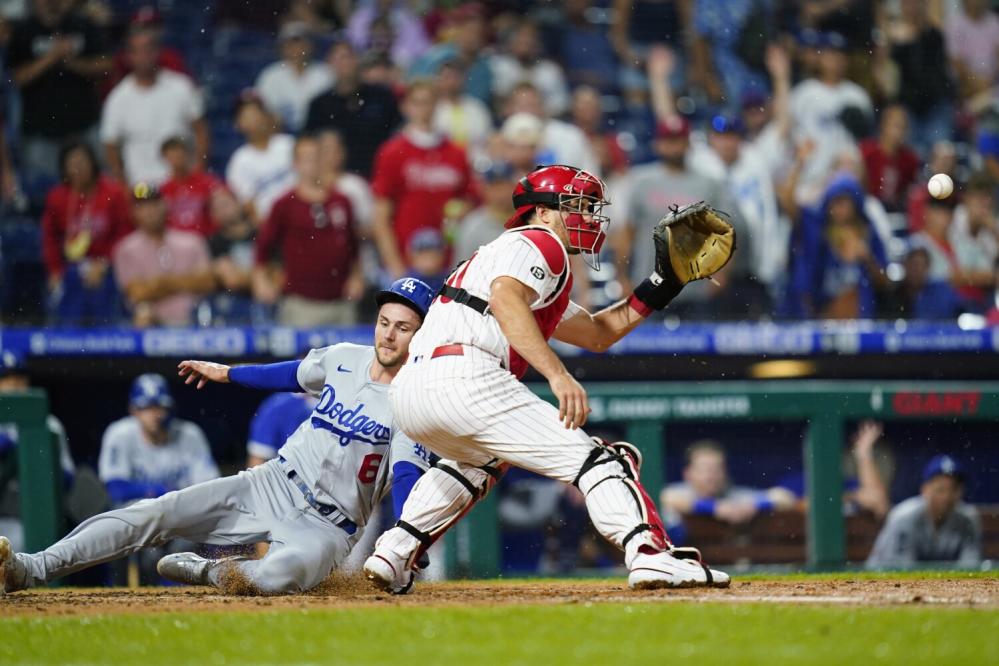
point(150, 390)
point(414, 293)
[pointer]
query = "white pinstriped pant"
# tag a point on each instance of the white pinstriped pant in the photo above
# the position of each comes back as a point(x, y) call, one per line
point(473, 413)
point(470, 410)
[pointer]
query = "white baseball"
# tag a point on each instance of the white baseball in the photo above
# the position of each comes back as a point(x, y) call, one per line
point(940, 186)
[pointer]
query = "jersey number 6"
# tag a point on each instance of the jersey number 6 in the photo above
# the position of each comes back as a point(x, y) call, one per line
point(369, 467)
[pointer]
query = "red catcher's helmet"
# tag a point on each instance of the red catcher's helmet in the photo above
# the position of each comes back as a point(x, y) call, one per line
point(570, 190)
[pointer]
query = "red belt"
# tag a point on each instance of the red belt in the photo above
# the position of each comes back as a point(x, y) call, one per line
point(448, 350)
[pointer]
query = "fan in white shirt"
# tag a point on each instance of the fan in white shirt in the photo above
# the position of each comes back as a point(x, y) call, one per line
point(288, 85)
point(149, 106)
point(561, 142)
point(522, 62)
point(259, 172)
point(816, 108)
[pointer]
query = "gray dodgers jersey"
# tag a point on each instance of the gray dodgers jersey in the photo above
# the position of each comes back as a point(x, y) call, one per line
point(346, 449)
point(184, 460)
point(908, 537)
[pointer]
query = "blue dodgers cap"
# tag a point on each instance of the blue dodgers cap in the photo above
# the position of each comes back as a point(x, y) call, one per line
point(497, 171)
point(150, 390)
point(426, 239)
point(409, 291)
point(815, 39)
point(11, 363)
point(725, 123)
point(943, 465)
point(832, 40)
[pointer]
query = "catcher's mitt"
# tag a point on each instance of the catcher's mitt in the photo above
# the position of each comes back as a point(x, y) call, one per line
point(693, 242)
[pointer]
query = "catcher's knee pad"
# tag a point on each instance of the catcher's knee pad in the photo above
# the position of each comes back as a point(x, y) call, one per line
point(626, 449)
point(606, 462)
point(476, 481)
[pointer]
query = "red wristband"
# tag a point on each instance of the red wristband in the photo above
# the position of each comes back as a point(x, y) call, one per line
point(639, 306)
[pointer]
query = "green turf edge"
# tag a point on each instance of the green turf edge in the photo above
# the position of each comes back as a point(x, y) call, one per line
point(574, 633)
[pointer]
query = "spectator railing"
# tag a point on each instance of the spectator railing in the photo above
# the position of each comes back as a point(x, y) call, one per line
point(648, 409)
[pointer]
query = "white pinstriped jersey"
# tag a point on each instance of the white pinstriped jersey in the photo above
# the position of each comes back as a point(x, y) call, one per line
point(532, 255)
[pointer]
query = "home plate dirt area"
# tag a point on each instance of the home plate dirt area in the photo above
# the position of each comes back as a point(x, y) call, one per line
point(341, 591)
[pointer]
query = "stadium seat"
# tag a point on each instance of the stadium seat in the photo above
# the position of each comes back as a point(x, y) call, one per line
point(22, 274)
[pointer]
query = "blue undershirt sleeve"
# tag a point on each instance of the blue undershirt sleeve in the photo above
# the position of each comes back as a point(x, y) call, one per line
point(270, 377)
point(404, 476)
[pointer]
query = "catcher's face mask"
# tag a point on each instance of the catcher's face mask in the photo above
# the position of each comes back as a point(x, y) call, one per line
point(579, 198)
point(583, 217)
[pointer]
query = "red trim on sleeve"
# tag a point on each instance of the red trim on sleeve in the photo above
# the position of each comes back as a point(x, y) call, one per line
point(550, 247)
point(638, 306)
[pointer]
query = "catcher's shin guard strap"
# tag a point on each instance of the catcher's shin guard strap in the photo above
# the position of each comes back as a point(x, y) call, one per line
point(493, 472)
point(463, 480)
point(592, 461)
point(653, 295)
point(425, 539)
point(643, 527)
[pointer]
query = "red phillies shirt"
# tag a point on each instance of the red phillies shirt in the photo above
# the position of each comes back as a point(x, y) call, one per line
point(419, 181)
point(188, 202)
point(317, 244)
point(79, 225)
point(889, 176)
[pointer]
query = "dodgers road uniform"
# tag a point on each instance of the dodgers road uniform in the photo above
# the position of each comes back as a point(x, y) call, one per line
point(311, 502)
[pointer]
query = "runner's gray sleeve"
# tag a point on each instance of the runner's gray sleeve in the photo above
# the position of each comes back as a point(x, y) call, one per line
point(313, 369)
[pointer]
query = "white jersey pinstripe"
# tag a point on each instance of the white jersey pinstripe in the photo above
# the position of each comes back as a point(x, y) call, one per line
point(515, 254)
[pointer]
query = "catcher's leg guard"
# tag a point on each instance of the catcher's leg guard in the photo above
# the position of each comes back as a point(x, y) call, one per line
point(618, 504)
point(438, 500)
point(623, 512)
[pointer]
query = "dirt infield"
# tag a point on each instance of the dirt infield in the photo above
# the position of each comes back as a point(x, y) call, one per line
point(349, 591)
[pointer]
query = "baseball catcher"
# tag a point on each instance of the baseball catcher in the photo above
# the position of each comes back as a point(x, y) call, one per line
point(459, 392)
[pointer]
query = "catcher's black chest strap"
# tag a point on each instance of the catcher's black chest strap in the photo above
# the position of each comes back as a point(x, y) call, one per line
point(459, 295)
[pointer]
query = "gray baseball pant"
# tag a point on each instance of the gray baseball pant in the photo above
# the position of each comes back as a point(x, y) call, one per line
point(255, 505)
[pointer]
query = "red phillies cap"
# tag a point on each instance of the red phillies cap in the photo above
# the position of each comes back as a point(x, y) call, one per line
point(468, 11)
point(146, 16)
point(674, 126)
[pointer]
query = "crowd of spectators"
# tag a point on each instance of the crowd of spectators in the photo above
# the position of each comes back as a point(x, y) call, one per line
point(385, 136)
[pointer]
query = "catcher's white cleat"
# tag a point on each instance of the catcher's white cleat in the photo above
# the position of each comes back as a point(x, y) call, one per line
point(678, 568)
point(389, 574)
point(13, 574)
point(190, 568)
